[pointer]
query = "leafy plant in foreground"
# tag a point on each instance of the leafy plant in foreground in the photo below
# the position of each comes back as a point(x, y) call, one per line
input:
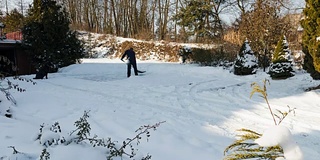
point(81, 135)
point(50, 141)
point(256, 88)
point(45, 155)
point(83, 128)
point(7, 84)
point(245, 147)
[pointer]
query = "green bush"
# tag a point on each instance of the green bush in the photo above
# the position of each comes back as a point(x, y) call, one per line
point(211, 57)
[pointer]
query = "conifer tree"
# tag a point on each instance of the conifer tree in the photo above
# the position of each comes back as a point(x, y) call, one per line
point(281, 66)
point(195, 17)
point(47, 36)
point(246, 62)
point(310, 39)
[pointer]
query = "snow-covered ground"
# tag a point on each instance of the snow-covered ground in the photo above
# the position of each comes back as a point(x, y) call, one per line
point(202, 108)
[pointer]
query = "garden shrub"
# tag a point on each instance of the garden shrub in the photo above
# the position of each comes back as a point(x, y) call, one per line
point(211, 57)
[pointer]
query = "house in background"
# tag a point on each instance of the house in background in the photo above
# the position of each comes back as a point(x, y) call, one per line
point(10, 47)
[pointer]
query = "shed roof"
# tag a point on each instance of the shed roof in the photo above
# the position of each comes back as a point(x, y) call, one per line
point(10, 41)
point(7, 43)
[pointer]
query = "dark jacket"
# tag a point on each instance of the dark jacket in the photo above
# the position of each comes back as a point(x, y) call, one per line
point(130, 54)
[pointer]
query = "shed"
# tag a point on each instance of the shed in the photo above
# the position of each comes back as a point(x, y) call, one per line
point(12, 49)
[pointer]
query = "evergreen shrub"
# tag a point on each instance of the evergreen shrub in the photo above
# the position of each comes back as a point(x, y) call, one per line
point(281, 67)
point(47, 37)
point(211, 57)
point(246, 62)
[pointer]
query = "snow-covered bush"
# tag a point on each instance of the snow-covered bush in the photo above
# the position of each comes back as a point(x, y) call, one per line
point(275, 143)
point(184, 54)
point(52, 137)
point(8, 69)
point(281, 136)
point(246, 148)
point(281, 66)
point(246, 62)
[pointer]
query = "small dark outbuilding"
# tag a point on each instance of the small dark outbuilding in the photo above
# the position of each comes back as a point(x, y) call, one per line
point(10, 47)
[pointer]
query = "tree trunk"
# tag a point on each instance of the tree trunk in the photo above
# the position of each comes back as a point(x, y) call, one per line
point(116, 21)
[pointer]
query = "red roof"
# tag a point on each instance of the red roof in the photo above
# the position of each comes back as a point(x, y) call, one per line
point(14, 35)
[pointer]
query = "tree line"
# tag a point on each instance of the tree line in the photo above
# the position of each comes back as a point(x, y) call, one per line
point(262, 22)
point(174, 20)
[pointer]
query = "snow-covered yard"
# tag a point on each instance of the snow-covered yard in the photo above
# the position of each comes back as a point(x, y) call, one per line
point(202, 108)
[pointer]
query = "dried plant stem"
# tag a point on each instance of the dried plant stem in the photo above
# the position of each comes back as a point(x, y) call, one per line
point(263, 92)
point(275, 122)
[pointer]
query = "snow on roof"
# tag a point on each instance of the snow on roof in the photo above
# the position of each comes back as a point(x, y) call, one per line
point(9, 41)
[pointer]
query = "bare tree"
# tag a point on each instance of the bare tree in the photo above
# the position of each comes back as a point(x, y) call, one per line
point(7, 10)
point(163, 11)
point(116, 23)
point(21, 5)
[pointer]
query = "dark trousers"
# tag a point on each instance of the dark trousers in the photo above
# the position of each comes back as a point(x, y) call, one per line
point(134, 65)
